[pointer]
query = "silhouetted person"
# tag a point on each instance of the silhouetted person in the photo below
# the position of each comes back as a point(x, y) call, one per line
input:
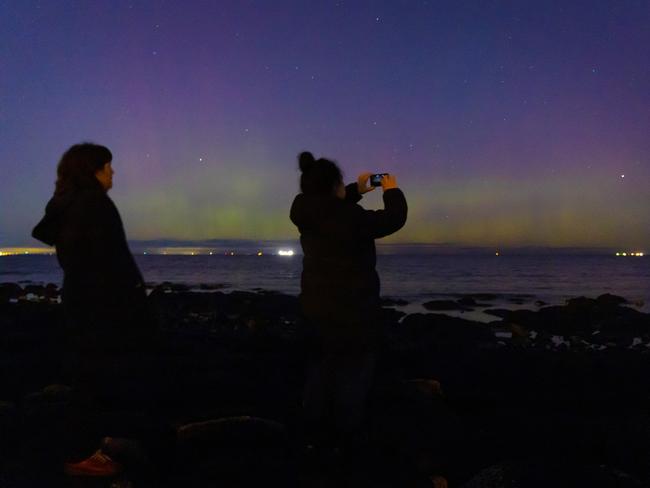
point(340, 289)
point(108, 323)
point(101, 281)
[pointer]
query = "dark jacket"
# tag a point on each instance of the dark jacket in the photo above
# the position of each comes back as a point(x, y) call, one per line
point(338, 241)
point(86, 228)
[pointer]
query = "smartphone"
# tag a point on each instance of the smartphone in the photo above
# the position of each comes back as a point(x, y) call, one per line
point(375, 180)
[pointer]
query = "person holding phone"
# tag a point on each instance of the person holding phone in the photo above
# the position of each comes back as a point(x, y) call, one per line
point(340, 291)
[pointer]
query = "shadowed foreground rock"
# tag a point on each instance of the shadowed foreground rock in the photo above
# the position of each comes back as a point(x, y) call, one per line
point(557, 396)
point(233, 449)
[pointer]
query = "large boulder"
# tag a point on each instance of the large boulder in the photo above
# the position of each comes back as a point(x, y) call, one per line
point(437, 331)
point(10, 291)
point(233, 448)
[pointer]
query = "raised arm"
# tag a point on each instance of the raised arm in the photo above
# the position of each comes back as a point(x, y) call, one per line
point(381, 223)
point(354, 191)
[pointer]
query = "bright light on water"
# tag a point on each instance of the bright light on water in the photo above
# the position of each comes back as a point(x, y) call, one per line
point(285, 252)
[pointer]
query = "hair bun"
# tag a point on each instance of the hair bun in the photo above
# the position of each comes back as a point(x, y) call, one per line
point(306, 161)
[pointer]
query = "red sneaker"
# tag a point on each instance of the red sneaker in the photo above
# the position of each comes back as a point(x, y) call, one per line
point(99, 464)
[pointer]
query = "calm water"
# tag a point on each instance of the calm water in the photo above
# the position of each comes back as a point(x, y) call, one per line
point(417, 278)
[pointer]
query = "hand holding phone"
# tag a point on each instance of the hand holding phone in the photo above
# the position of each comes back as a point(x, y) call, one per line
point(362, 183)
point(389, 182)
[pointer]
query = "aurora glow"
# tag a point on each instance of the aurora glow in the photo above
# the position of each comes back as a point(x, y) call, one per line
point(508, 123)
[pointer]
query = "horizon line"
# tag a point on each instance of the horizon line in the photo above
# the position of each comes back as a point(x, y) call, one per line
point(291, 247)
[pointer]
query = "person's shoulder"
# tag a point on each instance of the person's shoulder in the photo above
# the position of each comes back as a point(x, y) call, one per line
point(91, 201)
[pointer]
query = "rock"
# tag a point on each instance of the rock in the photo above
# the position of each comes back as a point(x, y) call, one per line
point(492, 477)
point(487, 297)
point(580, 303)
point(52, 397)
point(167, 286)
point(233, 447)
point(608, 300)
point(440, 305)
point(517, 300)
point(37, 290)
point(425, 387)
point(51, 291)
point(178, 287)
point(10, 291)
point(57, 391)
point(520, 335)
point(499, 312)
point(393, 302)
point(391, 315)
point(437, 331)
point(211, 286)
point(467, 302)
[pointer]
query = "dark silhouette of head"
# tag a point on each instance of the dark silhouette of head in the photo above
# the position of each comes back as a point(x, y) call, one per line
point(78, 166)
point(319, 176)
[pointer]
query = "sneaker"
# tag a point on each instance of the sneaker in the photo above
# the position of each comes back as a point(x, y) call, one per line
point(439, 482)
point(99, 464)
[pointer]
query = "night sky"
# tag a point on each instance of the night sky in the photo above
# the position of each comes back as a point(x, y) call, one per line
point(506, 123)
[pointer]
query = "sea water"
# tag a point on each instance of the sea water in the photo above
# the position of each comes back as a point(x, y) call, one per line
point(518, 281)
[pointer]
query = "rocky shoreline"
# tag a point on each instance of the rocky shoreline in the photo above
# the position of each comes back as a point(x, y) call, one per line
point(557, 396)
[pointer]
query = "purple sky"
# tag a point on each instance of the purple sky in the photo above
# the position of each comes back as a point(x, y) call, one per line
point(506, 123)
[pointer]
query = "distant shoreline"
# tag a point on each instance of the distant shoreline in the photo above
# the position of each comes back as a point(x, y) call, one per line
point(292, 247)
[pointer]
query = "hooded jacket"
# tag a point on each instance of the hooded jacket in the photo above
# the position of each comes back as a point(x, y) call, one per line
point(86, 229)
point(338, 243)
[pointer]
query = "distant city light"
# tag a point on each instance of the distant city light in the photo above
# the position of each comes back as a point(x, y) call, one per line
point(210, 253)
point(285, 252)
point(259, 253)
point(634, 254)
point(13, 251)
point(496, 253)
